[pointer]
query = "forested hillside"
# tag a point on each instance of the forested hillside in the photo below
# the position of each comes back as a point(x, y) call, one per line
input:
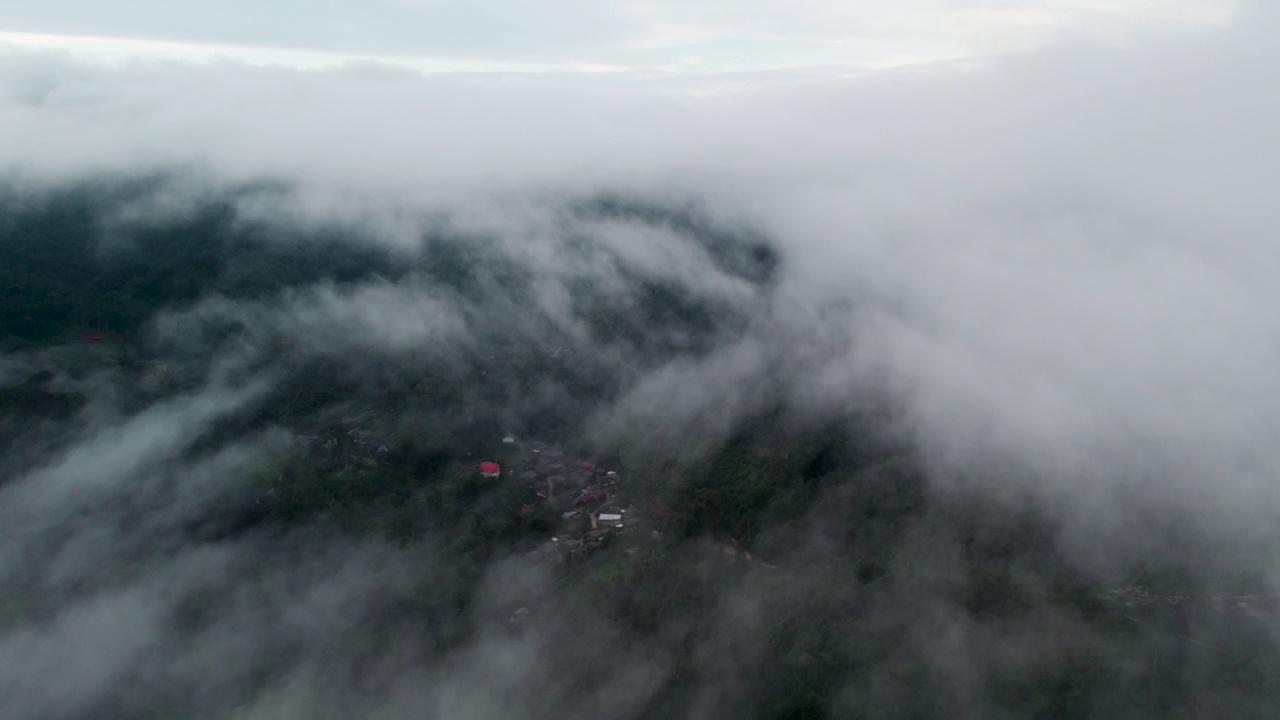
point(277, 429)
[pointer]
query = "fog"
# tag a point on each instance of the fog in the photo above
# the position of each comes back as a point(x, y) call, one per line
point(1048, 273)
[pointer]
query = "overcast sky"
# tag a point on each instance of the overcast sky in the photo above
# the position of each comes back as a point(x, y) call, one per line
point(592, 34)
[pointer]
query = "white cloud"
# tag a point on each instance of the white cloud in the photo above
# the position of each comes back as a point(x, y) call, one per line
point(1060, 263)
point(1066, 252)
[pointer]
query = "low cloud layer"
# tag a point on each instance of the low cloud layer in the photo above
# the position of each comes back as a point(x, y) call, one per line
point(1056, 269)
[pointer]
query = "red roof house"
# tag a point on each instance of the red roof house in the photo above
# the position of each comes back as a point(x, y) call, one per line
point(490, 469)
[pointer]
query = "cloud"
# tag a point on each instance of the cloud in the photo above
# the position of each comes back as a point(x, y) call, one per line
point(1063, 253)
point(1056, 267)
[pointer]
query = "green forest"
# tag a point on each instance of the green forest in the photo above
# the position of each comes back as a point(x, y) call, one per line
point(785, 566)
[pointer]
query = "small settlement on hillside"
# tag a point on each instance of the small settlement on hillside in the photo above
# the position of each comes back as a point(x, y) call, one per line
point(587, 499)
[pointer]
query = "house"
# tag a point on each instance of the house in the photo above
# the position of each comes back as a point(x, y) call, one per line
point(490, 469)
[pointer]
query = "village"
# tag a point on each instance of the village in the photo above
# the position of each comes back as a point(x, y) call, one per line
point(591, 507)
point(589, 502)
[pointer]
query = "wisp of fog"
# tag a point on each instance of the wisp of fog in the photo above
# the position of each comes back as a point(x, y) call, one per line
point(1034, 290)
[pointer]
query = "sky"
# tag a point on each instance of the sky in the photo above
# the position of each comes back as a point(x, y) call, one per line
point(617, 35)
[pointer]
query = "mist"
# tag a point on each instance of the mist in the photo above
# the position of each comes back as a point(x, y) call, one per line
point(1003, 322)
